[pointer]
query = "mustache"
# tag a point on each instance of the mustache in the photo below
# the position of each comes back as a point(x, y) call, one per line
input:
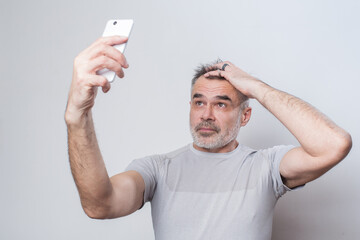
point(207, 124)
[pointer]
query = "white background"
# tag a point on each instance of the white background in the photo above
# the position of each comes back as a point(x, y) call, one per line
point(307, 48)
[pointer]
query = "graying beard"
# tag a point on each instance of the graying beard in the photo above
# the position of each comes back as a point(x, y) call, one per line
point(218, 143)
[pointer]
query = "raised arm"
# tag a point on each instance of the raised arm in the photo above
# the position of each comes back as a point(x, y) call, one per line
point(323, 143)
point(101, 197)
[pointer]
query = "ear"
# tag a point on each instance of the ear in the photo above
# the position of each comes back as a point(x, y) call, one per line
point(190, 102)
point(245, 116)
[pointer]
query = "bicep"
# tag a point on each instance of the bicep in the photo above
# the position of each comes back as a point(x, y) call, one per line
point(298, 167)
point(128, 193)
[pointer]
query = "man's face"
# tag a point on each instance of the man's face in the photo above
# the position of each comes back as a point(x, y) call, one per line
point(215, 115)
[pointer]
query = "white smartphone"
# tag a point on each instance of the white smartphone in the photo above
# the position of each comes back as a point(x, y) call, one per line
point(121, 27)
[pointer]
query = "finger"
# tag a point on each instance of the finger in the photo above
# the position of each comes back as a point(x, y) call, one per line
point(221, 64)
point(107, 87)
point(98, 81)
point(216, 73)
point(102, 62)
point(103, 49)
point(110, 40)
point(99, 44)
point(116, 55)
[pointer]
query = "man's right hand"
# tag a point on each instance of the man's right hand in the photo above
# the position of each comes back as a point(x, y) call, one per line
point(101, 197)
point(85, 82)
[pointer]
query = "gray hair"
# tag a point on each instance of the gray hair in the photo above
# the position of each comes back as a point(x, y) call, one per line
point(204, 68)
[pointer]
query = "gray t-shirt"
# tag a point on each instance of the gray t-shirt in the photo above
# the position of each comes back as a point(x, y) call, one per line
point(199, 195)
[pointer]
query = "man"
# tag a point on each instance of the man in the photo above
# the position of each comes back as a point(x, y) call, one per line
point(214, 188)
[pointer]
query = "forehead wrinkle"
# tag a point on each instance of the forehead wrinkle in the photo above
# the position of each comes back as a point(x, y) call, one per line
point(214, 93)
point(211, 88)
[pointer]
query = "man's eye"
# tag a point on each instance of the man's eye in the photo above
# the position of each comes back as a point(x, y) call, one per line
point(198, 103)
point(222, 105)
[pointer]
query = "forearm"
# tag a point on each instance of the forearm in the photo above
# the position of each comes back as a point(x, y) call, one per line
point(323, 143)
point(316, 133)
point(87, 165)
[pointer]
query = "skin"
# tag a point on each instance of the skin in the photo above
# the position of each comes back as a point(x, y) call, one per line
point(101, 197)
point(216, 101)
point(323, 143)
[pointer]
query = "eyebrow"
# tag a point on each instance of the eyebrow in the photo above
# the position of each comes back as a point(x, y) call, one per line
point(197, 95)
point(222, 97)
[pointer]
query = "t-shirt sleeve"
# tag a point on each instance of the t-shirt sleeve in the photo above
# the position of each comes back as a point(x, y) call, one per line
point(275, 156)
point(148, 169)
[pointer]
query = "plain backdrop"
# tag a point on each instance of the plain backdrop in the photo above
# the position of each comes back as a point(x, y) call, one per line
point(307, 48)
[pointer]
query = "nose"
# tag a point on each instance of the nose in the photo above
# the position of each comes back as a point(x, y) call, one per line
point(208, 113)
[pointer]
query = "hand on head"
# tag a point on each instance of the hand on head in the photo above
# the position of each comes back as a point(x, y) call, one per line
point(241, 80)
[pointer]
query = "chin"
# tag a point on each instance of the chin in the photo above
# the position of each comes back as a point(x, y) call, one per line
point(209, 145)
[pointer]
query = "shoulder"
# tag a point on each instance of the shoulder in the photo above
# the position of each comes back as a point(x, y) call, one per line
point(160, 160)
point(275, 152)
point(271, 157)
point(176, 153)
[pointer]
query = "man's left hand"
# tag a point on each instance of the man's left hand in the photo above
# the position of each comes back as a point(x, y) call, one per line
point(242, 81)
point(323, 143)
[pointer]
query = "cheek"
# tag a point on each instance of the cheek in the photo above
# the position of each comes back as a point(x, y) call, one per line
point(195, 117)
point(192, 117)
point(230, 120)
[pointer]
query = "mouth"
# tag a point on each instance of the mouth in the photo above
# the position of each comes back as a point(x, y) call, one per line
point(207, 130)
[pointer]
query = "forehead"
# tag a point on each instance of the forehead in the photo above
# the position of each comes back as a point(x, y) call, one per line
point(210, 88)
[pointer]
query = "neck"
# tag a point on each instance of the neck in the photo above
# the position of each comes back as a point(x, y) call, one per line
point(227, 148)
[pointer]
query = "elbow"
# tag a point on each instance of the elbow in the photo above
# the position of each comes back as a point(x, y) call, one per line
point(347, 143)
point(96, 212)
point(343, 146)
point(95, 215)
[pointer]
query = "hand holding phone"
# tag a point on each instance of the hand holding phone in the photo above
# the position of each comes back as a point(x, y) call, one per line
point(121, 27)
